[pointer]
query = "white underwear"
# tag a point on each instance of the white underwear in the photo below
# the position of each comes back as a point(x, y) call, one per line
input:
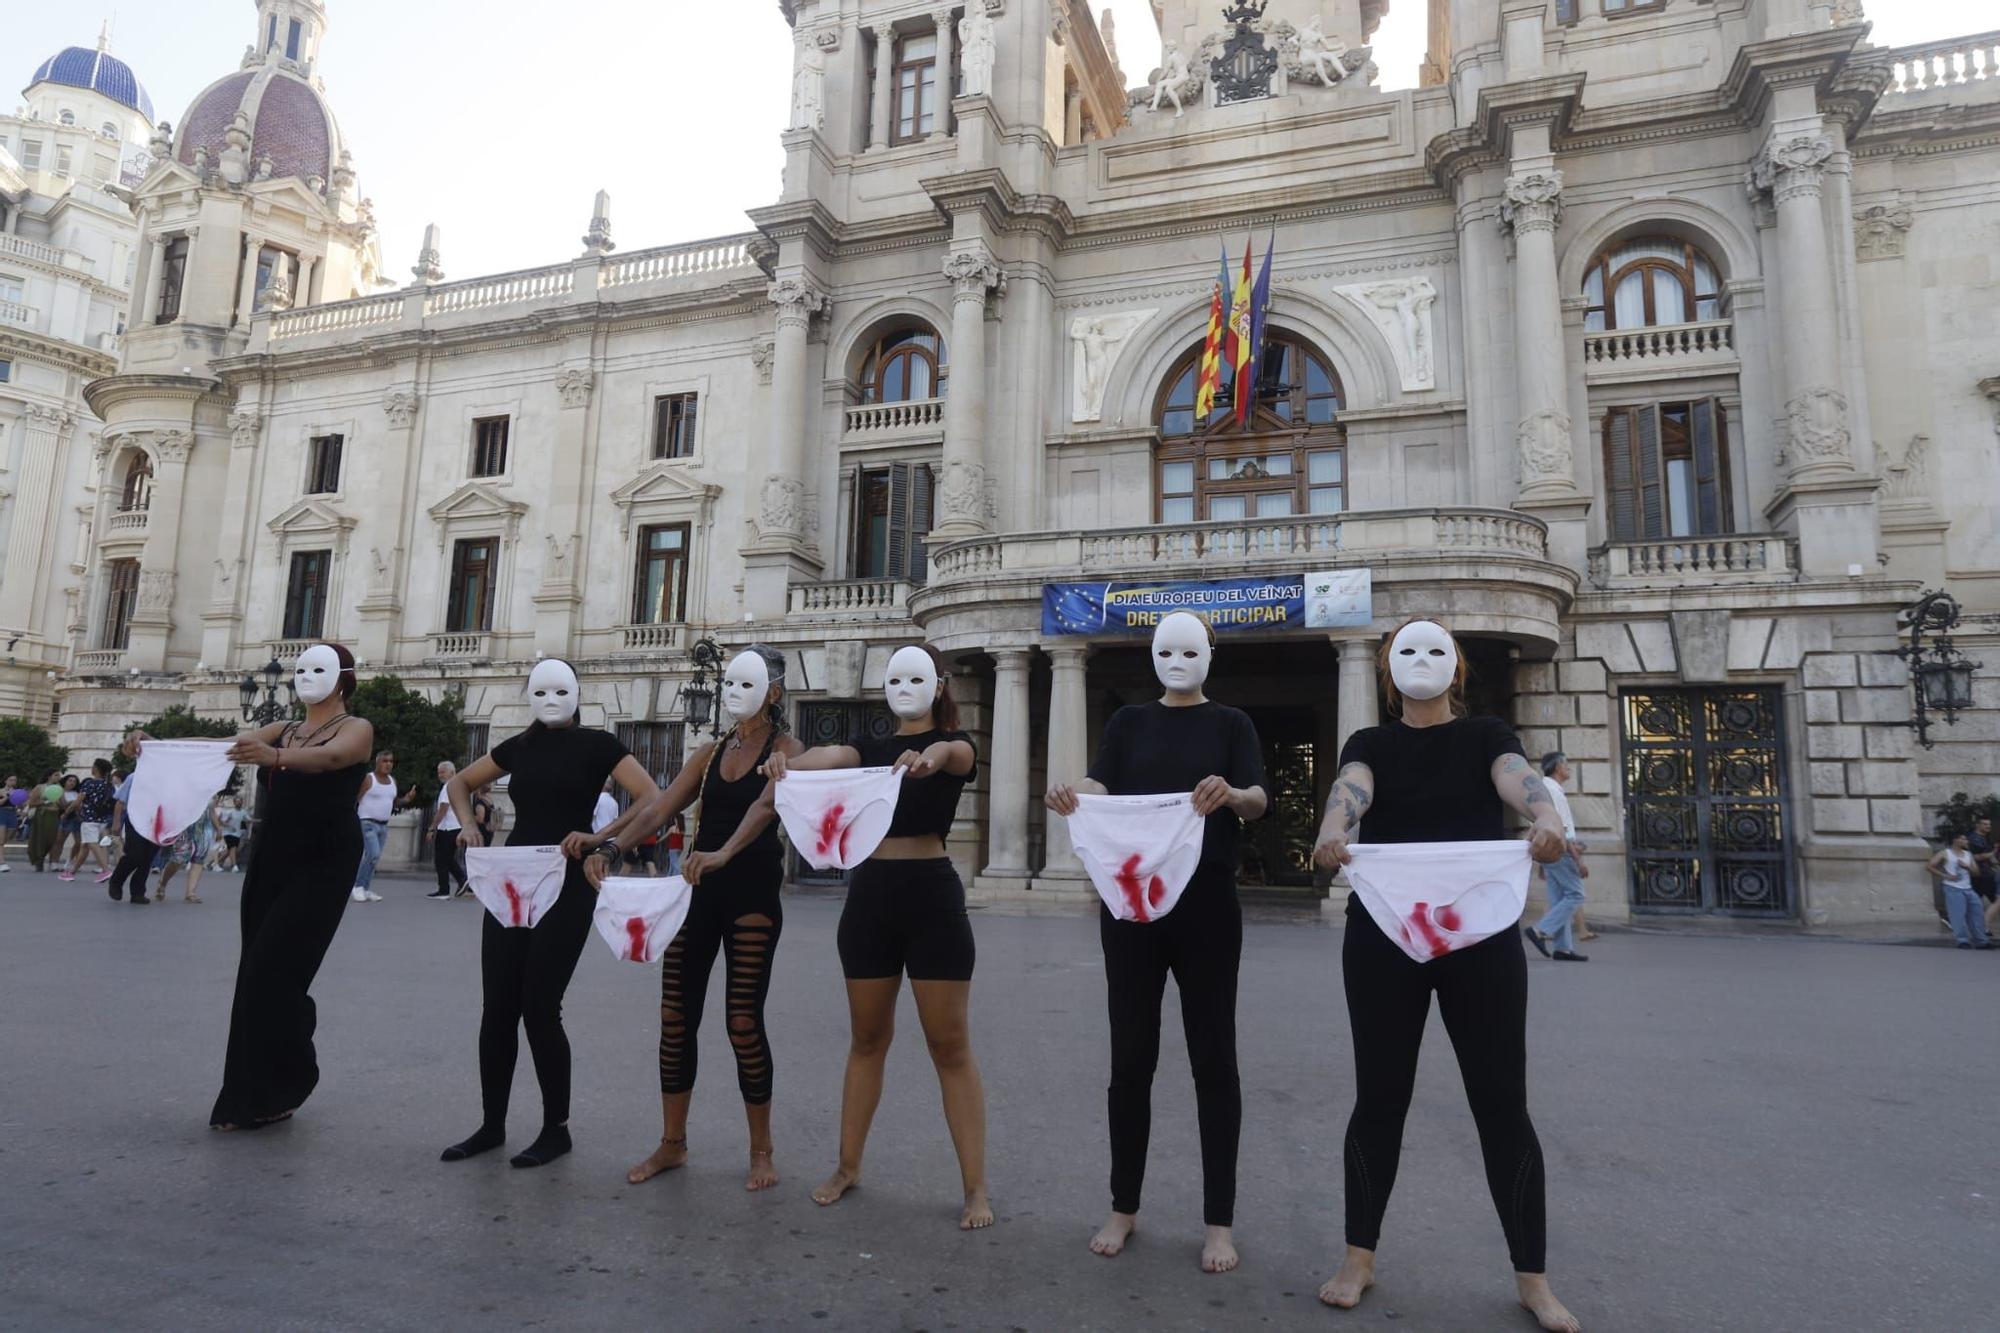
point(639, 917)
point(518, 885)
point(173, 784)
point(1435, 898)
point(1141, 851)
point(836, 818)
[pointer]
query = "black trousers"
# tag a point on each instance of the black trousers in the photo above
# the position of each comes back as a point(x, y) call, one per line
point(736, 912)
point(135, 862)
point(524, 973)
point(1482, 995)
point(444, 851)
point(1201, 943)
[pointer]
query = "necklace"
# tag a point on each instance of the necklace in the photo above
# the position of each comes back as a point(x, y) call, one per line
point(321, 728)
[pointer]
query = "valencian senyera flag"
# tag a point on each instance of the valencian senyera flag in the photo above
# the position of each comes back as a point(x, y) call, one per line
point(1210, 379)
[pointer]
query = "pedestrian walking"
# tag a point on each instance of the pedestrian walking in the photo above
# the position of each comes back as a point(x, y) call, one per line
point(296, 890)
point(373, 805)
point(136, 852)
point(1980, 844)
point(12, 797)
point(1432, 774)
point(676, 843)
point(230, 819)
point(189, 853)
point(1564, 877)
point(735, 874)
point(69, 822)
point(558, 767)
point(98, 799)
point(44, 812)
point(605, 811)
point(905, 914)
point(1953, 866)
point(444, 837)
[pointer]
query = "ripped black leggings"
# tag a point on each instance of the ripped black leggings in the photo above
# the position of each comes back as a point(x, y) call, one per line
point(1483, 997)
point(735, 911)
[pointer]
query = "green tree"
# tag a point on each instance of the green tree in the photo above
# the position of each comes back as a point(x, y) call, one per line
point(176, 724)
point(27, 752)
point(1961, 812)
point(421, 733)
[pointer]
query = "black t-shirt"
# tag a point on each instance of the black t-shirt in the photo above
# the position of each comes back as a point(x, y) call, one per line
point(98, 799)
point(1151, 749)
point(1433, 784)
point(557, 775)
point(1982, 872)
point(925, 805)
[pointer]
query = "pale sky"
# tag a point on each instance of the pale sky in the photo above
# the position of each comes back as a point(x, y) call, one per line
point(500, 119)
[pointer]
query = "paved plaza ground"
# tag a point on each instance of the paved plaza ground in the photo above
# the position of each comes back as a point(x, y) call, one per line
point(1764, 1133)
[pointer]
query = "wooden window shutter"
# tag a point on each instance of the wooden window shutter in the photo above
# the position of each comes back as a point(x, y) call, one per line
point(1620, 475)
point(923, 482)
point(897, 566)
point(1711, 468)
point(454, 616)
point(1652, 492)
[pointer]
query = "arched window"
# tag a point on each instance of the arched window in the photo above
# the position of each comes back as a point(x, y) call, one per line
point(67, 117)
point(138, 491)
point(108, 130)
point(1289, 459)
point(903, 366)
point(1650, 280)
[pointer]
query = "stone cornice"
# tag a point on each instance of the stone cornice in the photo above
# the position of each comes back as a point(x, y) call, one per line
point(1807, 57)
point(118, 389)
point(807, 220)
point(22, 346)
point(1551, 101)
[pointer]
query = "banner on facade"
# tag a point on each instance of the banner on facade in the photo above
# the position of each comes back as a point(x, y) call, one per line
point(1341, 599)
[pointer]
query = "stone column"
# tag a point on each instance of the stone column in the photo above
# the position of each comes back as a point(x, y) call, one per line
point(152, 618)
point(781, 549)
point(222, 620)
point(31, 543)
point(1356, 701)
point(156, 262)
point(381, 605)
point(560, 595)
point(882, 106)
point(1818, 445)
point(308, 269)
point(246, 288)
point(947, 67)
point(1007, 787)
point(1543, 434)
point(962, 504)
point(1069, 750)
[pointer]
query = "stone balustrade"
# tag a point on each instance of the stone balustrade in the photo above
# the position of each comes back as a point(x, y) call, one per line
point(461, 647)
point(99, 660)
point(127, 521)
point(287, 651)
point(529, 285)
point(1938, 65)
point(917, 415)
point(649, 638)
point(23, 248)
point(339, 317)
point(1663, 348)
point(851, 597)
point(18, 315)
point(678, 261)
point(1695, 562)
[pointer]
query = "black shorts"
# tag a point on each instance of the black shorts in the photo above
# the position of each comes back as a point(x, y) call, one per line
point(1984, 888)
point(231, 840)
point(906, 916)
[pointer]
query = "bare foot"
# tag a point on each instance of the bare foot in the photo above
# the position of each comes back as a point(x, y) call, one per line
point(763, 1171)
point(1539, 1301)
point(670, 1154)
point(978, 1212)
point(836, 1185)
point(1111, 1237)
point(1356, 1275)
point(1218, 1252)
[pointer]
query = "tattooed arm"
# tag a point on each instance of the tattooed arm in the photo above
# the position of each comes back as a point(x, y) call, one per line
point(1353, 792)
point(1526, 793)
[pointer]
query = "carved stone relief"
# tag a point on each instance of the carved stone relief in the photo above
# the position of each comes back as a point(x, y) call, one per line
point(1882, 231)
point(1400, 308)
point(1095, 341)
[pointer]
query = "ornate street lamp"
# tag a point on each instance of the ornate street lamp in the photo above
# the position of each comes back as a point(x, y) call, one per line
point(696, 697)
point(262, 713)
point(1940, 675)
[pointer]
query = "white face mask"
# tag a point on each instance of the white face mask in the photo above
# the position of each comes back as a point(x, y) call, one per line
point(911, 684)
point(1181, 653)
point(745, 686)
point(1423, 661)
point(552, 693)
point(316, 674)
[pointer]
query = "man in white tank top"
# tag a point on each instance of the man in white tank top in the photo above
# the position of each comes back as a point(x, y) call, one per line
point(1954, 866)
point(373, 806)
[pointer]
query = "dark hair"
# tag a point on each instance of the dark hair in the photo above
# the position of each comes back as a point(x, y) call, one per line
point(1552, 761)
point(67, 779)
point(100, 767)
point(944, 709)
point(1394, 695)
point(774, 667)
point(345, 684)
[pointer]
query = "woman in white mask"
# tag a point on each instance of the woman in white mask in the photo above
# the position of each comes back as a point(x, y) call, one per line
point(735, 871)
point(1183, 742)
point(1432, 774)
point(558, 767)
point(308, 846)
point(905, 913)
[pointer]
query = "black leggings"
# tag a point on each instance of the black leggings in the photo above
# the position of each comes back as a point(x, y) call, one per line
point(135, 862)
point(1483, 997)
point(444, 851)
point(738, 914)
point(1201, 943)
point(524, 973)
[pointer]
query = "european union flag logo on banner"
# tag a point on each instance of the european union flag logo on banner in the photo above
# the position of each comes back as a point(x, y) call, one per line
point(1073, 608)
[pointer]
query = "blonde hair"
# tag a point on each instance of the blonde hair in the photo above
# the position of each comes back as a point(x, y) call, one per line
point(1394, 696)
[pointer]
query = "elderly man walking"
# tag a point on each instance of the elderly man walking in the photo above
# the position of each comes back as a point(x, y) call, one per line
point(1565, 877)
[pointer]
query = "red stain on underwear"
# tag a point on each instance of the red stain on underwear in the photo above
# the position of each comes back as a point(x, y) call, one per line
point(1448, 918)
point(1137, 894)
point(1420, 921)
point(159, 826)
point(514, 901)
point(635, 931)
point(831, 834)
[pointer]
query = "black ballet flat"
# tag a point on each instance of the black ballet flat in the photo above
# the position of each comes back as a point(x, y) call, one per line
point(1536, 938)
point(1565, 956)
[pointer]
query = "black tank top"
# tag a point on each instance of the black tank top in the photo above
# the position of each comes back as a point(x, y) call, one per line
point(724, 803)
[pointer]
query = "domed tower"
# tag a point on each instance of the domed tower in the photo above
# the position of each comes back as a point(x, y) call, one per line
point(250, 206)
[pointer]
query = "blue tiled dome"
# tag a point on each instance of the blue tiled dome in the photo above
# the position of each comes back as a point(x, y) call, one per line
point(83, 67)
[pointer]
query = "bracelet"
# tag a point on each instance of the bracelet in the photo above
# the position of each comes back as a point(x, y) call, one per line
point(608, 847)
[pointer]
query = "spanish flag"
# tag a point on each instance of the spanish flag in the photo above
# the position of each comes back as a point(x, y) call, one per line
point(1242, 341)
point(1210, 378)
